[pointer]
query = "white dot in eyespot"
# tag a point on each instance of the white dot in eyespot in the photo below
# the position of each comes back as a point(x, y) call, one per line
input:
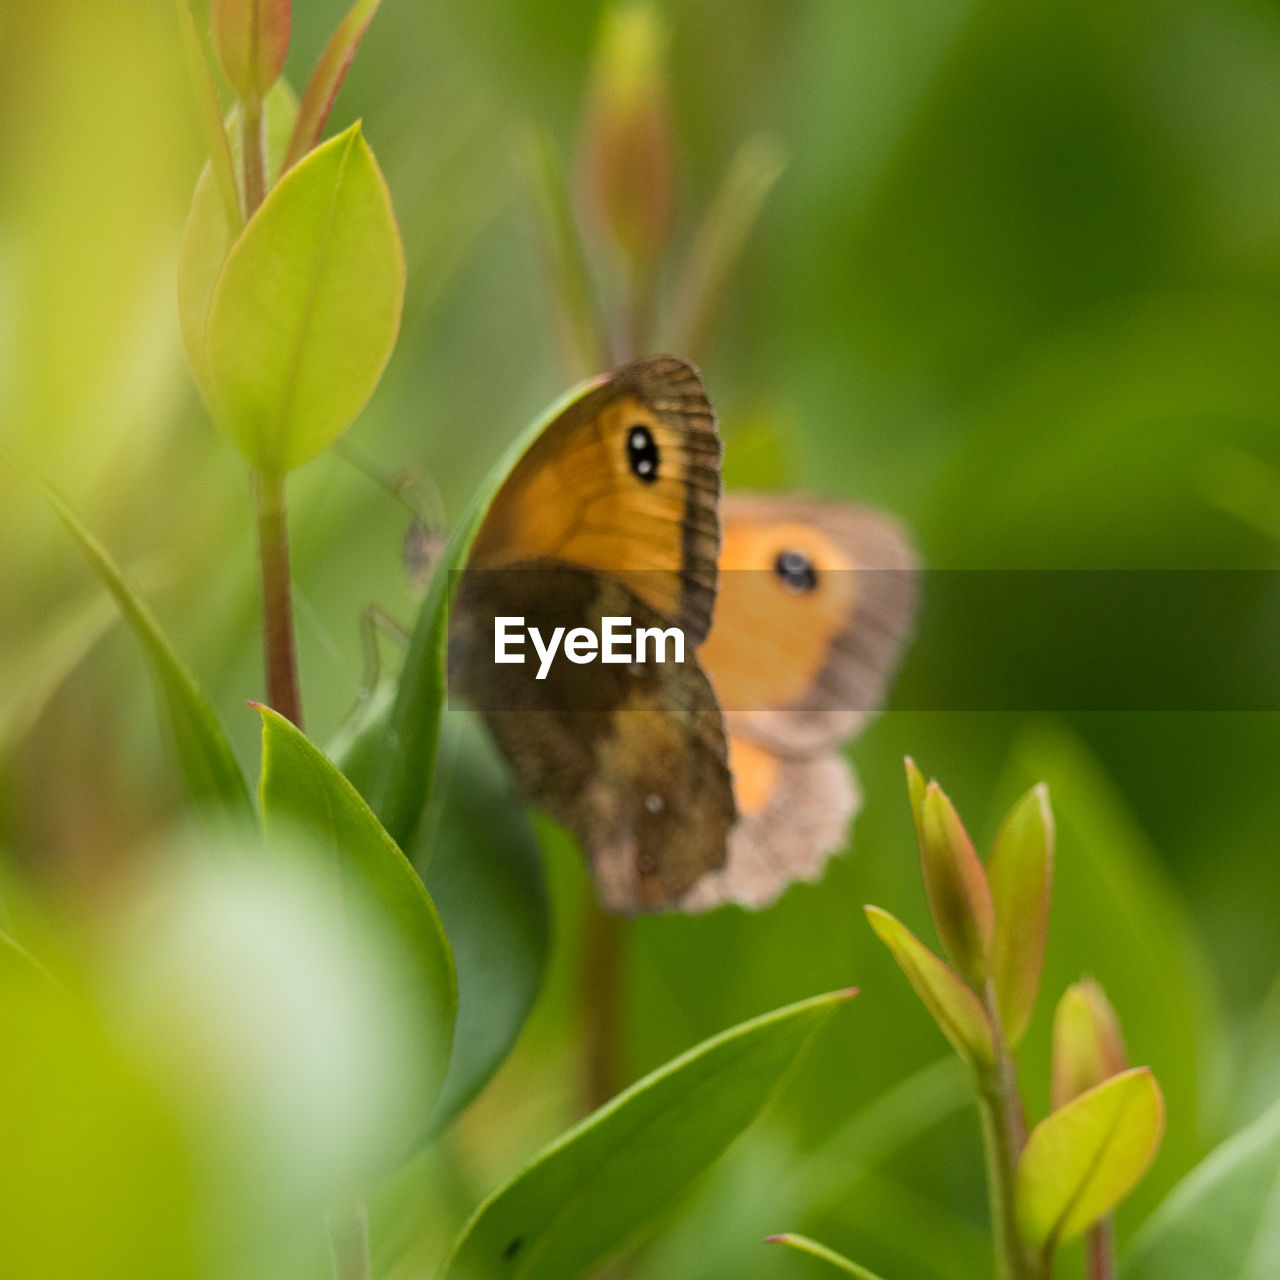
point(639, 438)
point(644, 466)
point(654, 803)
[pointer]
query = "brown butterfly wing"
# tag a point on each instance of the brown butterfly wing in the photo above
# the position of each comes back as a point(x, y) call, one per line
point(576, 496)
point(631, 757)
point(797, 672)
point(802, 820)
point(800, 670)
point(633, 760)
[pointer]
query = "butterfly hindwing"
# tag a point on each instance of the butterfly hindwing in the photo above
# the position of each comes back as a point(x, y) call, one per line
point(816, 599)
point(631, 757)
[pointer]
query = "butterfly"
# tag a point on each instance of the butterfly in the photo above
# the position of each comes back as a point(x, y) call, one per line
point(713, 779)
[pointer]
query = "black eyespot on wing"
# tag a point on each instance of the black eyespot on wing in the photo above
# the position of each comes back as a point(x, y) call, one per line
point(513, 1248)
point(642, 454)
point(796, 571)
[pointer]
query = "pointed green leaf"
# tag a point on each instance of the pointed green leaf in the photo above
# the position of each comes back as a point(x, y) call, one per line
point(251, 38)
point(812, 1247)
point(595, 1187)
point(1223, 1219)
point(915, 793)
point(209, 232)
point(1020, 872)
point(483, 867)
point(322, 89)
point(306, 309)
point(396, 760)
point(955, 1008)
point(213, 777)
point(1087, 1044)
point(1140, 943)
point(300, 787)
point(1082, 1160)
point(956, 886)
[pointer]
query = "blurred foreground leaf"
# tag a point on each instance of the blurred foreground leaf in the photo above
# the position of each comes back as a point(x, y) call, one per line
point(95, 1179)
point(302, 788)
point(483, 867)
point(213, 777)
point(804, 1245)
point(1223, 1219)
point(594, 1188)
point(1083, 1159)
point(306, 309)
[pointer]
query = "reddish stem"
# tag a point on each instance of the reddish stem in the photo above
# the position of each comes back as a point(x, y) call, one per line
point(279, 654)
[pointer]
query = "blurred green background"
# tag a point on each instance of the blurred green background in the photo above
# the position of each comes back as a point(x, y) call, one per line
point(1019, 284)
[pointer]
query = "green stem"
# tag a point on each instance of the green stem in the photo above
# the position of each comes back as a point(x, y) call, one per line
point(280, 658)
point(349, 1241)
point(254, 148)
point(1003, 1137)
point(1000, 1184)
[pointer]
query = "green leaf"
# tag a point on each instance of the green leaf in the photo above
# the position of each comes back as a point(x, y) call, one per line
point(1134, 935)
point(213, 777)
point(956, 885)
point(322, 89)
point(306, 309)
point(1088, 1046)
point(1021, 875)
point(955, 1008)
point(300, 787)
point(396, 760)
point(221, 167)
point(66, 1086)
point(841, 1263)
point(209, 232)
point(594, 1188)
point(1223, 1219)
point(1082, 1160)
point(251, 38)
point(483, 867)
